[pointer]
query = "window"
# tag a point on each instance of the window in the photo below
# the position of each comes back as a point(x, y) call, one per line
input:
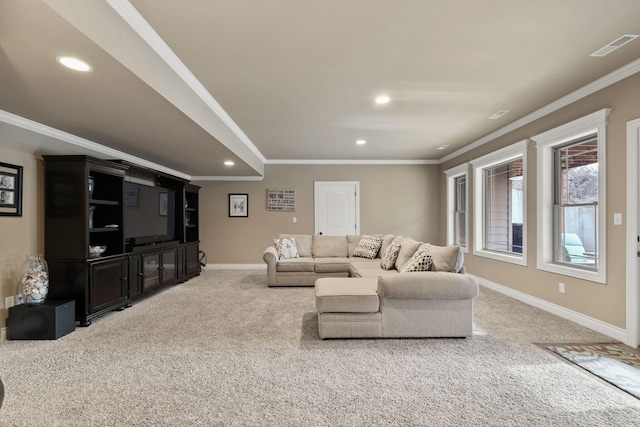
point(500, 205)
point(457, 218)
point(571, 198)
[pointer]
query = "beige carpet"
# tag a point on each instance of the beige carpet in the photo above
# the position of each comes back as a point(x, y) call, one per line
point(223, 349)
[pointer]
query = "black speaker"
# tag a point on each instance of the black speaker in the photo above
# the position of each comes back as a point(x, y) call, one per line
point(48, 321)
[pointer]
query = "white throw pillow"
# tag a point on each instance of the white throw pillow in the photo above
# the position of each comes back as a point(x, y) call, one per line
point(286, 247)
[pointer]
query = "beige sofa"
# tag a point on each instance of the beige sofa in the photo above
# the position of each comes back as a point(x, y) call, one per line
point(360, 294)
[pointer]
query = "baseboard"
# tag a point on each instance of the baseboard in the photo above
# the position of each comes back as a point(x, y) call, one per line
point(579, 318)
point(237, 266)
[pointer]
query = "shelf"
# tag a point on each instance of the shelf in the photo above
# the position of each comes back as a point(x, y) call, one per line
point(191, 226)
point(103, 229)
point(104, 202)
point(190, 209)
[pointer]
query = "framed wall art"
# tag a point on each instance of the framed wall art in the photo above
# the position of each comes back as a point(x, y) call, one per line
point(281, 200)
point(10, 190)
point(238, 205)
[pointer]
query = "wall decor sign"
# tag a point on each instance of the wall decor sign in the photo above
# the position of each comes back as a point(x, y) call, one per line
point(281, 200)
point(10, 190)
point(238, 205)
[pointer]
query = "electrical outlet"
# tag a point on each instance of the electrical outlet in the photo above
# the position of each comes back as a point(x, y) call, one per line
point(561, 287)
point(9, 302)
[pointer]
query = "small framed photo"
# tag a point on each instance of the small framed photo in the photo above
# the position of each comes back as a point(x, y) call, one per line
point(238, 205)
point(10, 190)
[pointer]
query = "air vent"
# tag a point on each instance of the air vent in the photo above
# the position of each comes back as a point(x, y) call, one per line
point(620, 41)
point(498, 114)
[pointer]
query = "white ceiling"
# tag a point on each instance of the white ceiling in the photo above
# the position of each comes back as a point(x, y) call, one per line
point(188, 85)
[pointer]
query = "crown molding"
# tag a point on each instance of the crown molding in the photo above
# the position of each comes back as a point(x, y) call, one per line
point(349, 162)
point(226, 178)
point(99, 150)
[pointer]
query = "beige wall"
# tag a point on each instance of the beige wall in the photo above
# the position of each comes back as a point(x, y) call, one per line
point(20, 235)
point(396, 199)
point(603, 302)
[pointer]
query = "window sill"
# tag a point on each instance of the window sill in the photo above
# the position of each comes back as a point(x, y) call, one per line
point(501, 256)
point(578, 273)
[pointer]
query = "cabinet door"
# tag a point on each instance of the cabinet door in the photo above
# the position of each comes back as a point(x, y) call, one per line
point(169, 269)
point(107, 284)
point(151, 271)
point(192, 266)
point(135, 276)
point(180, 263)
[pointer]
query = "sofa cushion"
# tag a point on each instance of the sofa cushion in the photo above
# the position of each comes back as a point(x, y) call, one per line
point(300, 264)
point(347, 295)
point(352, 243)
point(286, 247)
point(358, 263)
point(407, 249)
point(446, 258)
point(303, 243)
point(368, 247)
point(420, 261)
point(331, 265)
point(390, 256)
point(373, 272)
point(329, 246)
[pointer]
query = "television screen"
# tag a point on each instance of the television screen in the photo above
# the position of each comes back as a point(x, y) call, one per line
point(149, 213)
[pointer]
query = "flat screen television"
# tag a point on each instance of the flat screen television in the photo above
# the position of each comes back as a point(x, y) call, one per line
point(149, 214)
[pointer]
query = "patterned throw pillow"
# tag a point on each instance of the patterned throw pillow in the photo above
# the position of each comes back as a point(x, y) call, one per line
point(420, 261)
point(389, 256)
point(286, 247)
point(368, 247)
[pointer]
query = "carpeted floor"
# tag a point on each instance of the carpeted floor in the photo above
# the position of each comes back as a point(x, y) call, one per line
point(225, 350)
point(610, 362)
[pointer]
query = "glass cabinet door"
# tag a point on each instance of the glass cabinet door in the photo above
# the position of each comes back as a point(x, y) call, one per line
point(151, 270)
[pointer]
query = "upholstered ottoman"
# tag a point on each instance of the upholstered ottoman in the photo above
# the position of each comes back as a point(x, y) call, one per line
point(348, 308)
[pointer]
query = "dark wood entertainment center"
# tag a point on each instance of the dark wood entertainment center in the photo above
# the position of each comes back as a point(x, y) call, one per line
point(80, 216)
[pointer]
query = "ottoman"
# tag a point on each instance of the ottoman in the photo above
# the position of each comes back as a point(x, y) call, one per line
point(348, 308)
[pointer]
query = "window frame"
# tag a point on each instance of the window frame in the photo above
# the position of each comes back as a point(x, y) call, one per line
point(452, 175)
point(546, 143)
point(504, 155)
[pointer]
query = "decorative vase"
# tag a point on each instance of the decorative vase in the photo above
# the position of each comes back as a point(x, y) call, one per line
point(34, 286)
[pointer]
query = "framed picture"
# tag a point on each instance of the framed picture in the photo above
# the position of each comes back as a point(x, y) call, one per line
point(238, 205)
point(163, 203)
point(10, 190)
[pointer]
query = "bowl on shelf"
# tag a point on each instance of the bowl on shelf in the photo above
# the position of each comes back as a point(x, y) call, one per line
point(97, 251)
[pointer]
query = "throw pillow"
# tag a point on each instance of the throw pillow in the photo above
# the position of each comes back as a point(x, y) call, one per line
point(420, 261)
point(286, 247)
point(407, 249)
point(368, 247)
point(389, 256)
point(446, 258)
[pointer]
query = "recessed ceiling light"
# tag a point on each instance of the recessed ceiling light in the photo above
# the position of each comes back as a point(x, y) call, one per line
point(382, 99)
point(229, 163)
point(361, 142)
point(498, 114)
point(442, 147)
point(74, 63)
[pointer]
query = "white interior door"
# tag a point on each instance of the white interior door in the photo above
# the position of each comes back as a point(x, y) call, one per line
point(337, 208)
point(633, 234)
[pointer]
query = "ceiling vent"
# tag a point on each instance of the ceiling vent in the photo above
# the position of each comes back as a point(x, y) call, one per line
point(620, 41)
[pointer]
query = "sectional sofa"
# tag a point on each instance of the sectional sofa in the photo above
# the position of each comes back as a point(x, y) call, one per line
point(377, 286)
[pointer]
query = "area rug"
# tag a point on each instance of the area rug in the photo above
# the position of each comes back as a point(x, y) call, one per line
point(610, 362)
